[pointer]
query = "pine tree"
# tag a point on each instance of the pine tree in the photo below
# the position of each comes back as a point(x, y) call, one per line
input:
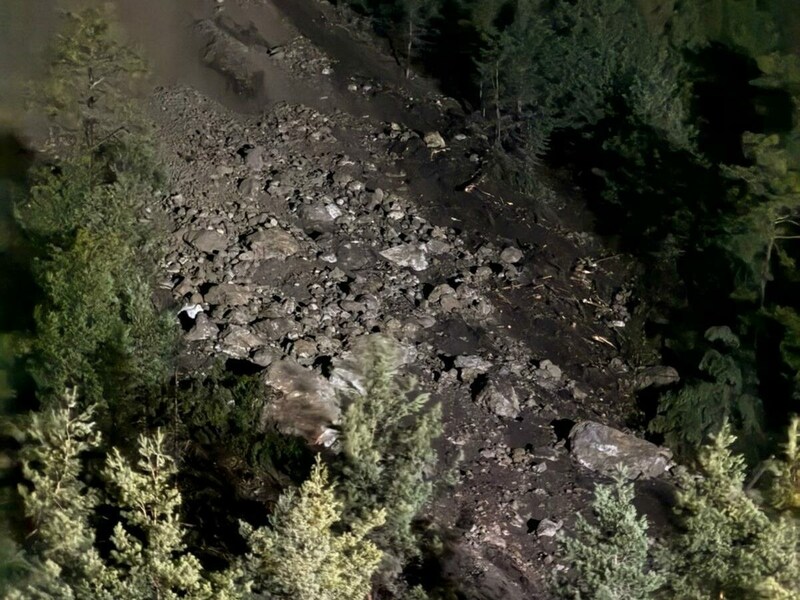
point(148, 558)
point(785, 491)
point(610, 558)
point(387, 446)
point(728, 545)
point(301, 558)
point(727, 392)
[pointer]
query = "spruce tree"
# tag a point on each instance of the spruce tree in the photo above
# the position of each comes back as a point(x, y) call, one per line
point(610, 557)
point(301, 558)
point(387, 449)
point(729, 546)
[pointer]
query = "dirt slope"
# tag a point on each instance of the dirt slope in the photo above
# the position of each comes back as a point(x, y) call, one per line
point(307, 211)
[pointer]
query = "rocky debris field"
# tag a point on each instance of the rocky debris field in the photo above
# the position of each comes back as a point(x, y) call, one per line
point(297, 230)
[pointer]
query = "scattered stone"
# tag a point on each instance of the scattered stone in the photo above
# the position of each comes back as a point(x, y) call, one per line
point(249, 186)
point(657, 376)
point(548, 528)
point(550, 371)
point(407, 255)
point(238, 341)
point(604, 449)
point(228, 294)
point(434, 141)
point(263, 357)
point(254, 158)
point(207, 240)
point(499, 398)
point(511, 255)
point(203, 329)
point(266, 244)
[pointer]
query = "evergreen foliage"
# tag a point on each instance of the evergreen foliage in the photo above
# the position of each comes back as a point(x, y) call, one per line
point(148, 557)
point(785, 490)
point(611, 557)
point(301, 558)
point(387, 449)
point(97, 328)
point(728, 545)
point(88, 92)
point(727, 392)
point(573, 64)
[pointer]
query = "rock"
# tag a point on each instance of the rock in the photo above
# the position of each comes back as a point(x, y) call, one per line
point(407, 255)
point(277, 329)
point(434, 140)
point(207, 240)
point(499, 398)
point(450, 303)
point(548, 528)
point(549, 370)
point(475, 363)
point(228, 294)
point(263, 357)
point(238, 341)
point(203, 329)
point(254, 158)
point(440, 291)
point(320, 213)
point(249, 186)
point(266, 244)
point(604, 449)
point(657, 376)
point(511, 255)
point(191, 310)
point(352, 256)
point(304, 348)
point(305, 402)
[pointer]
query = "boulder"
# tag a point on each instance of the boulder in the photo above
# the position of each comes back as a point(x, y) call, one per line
point(407, 255)
point(656, 377)
point(203, 329)
point(511, 255)
point(304, 402)
point(272, 243)
point(207, 240)
point(238, 341)
point(605, 449)
point(500, 398)
point(434, 140)
point(228, 294)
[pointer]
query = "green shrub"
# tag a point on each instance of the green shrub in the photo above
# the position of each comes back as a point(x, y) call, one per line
point(686, 417)
point(300, 558)
point(97, 329)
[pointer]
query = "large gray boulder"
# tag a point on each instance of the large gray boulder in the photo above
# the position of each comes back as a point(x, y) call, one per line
point(304, 402)
point(266, 244)
point(655, 377)
point(605, 449)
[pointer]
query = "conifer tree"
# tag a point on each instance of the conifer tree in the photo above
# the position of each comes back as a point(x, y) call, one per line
point(301, 558)
point(387, 443)
point(728, 546)
point(148, 558)
point(726, 392)
point(610, 557)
